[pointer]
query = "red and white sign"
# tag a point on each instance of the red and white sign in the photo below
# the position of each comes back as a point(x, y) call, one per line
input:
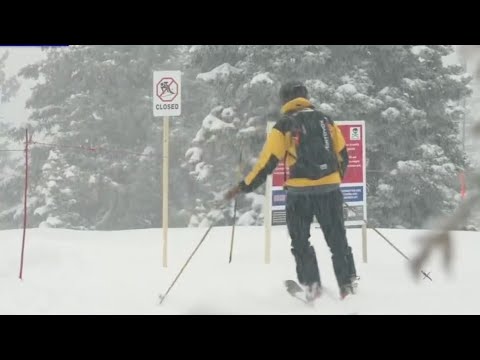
point(167, 89)
point(353, 187)
point(354, 184)
point(279, 175)
point(353, 133)
point(167, 93)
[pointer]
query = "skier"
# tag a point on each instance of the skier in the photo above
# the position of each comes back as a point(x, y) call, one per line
point(314, 149)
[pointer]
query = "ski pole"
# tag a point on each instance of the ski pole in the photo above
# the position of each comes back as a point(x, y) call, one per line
point(234, 213)
point(426, 275)
point(233, 230)
point(162, 297)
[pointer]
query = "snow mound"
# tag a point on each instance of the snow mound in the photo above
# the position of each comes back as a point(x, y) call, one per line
point(220, 72)
point(261, 78)
point(194, 155)
point(212, 123)
point(347, 90)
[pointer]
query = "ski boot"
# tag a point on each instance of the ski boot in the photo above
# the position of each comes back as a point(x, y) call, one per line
point(313, 292)
point(350, 288)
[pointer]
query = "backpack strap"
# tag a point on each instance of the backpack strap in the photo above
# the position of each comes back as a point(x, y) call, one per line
point(337, 156)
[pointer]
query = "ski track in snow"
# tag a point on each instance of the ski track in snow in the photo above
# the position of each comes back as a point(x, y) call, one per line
point(75, 272)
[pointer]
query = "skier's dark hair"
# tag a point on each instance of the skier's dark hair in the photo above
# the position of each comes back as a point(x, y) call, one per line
point(292, 90)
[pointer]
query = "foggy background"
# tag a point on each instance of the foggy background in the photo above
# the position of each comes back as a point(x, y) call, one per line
point(418, 103)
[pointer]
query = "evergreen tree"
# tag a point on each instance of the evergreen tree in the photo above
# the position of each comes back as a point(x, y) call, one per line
point(8, 85)
point(409, 100)
point(419, 124)
point(100, 97)
point(11, 163)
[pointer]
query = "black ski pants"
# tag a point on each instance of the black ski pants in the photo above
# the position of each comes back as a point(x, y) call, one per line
point(328, 209)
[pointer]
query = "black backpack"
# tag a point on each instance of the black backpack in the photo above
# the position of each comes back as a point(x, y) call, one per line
point(316, 157)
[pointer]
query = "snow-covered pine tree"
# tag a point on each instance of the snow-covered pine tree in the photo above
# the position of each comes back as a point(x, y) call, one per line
point(419, 123)
point(404, 93)
point(100, 97)
point(12, 169)
point(58, 195)
point(245, 81)
point(411, 102)
point(11, 163)
point(8, 85)
point(402, 192)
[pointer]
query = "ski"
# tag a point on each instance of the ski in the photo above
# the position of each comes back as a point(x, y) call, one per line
point(294, 289)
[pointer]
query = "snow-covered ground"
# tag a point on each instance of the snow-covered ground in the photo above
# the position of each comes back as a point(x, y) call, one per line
point(73, 272)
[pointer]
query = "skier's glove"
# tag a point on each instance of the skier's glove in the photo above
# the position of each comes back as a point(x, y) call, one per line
point(233, 192)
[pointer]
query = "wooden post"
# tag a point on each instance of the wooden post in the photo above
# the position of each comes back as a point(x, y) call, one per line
point(267, 214)
point(166, 132)
point(267, 218)
point(364, 243)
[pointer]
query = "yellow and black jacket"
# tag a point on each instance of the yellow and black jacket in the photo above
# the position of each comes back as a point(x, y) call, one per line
point(280, 146)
